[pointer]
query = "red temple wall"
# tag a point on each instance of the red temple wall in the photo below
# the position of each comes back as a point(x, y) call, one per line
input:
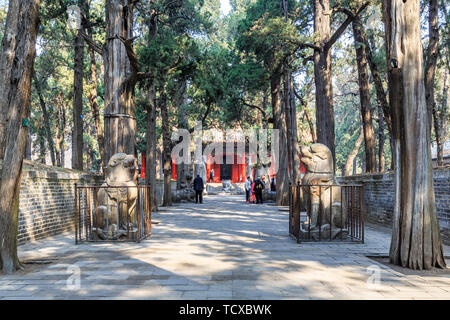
point(239, 170)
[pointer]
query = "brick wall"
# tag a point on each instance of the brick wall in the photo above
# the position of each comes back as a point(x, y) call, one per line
point(46, 200)
point(379, 195)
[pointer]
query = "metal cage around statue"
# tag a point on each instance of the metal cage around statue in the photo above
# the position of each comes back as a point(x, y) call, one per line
point(112, 213)
point(326, 213)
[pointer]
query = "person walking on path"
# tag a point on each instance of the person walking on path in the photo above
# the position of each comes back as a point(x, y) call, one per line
point(252, 193)
point(211, 175)
point(198, 187)
point(248, 187)
point(259, 187)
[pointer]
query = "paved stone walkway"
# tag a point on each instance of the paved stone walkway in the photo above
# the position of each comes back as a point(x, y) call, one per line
point(222, 249)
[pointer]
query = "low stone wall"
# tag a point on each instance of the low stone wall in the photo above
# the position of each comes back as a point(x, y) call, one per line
point(379, 195)
point(46, 202)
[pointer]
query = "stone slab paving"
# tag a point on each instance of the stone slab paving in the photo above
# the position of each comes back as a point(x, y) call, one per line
point(222, 249)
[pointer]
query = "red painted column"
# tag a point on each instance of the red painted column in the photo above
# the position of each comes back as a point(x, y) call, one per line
point(174, 170)
point(143, 165)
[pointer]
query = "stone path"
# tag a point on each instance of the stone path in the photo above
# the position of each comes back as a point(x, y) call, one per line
point(222, 249)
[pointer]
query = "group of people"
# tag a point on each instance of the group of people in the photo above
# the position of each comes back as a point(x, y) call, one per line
point(254, 190)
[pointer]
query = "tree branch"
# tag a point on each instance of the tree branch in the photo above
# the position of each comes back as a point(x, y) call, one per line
point(307, 59)
point(128, 43)
point(255, 107)
point(344, 26)
point(95, 46)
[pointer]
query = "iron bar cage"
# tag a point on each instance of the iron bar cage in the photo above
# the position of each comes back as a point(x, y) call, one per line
point(326, 213)
point(112, 214)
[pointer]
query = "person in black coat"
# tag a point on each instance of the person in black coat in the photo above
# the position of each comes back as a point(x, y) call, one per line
point(272, 185)
point(198, 187)
point(259, 187)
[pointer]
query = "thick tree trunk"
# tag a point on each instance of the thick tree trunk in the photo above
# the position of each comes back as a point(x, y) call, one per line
point(150, 168)
point(120, 110)
point(322, 77)
point(77, 129)
point(167, 158)
point(364, 94)
point(279, 123)
point(352, 155)
point(416, 239)
point(95, 108)
point(18, 51)
point(48, 131)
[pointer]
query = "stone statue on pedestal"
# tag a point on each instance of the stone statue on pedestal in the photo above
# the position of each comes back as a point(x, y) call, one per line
point(323, 203)
point(116, 202)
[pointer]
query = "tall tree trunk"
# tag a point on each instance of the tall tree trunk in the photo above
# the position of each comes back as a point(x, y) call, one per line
point(431, 59)
point(352, 155)
point(28, 148)
point(295, 146)
point(41, 140)
point(416, 238)
point(95, 108)
point(63, 129)
point(60, 130)
point(77, 129)
point(264, 122)
point(48, 131)
point(384, 114)
point(120, 110)
point(150, 168)
point(290, 115)
point(364, 94)
point(439, 122)
point(381, 139)
point(18, 53)
point(287, 113)
point(322, 77)
point(92, 96)
point(179, 101)
point(58, 137)
point(310, 123)
point(381, 94)
point(282, 194)
point(167, 158)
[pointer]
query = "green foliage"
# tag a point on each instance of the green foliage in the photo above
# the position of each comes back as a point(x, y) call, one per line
point(226, 62)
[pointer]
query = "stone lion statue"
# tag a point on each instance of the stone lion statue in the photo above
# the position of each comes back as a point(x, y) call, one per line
point(318, 162)
point(117, 206)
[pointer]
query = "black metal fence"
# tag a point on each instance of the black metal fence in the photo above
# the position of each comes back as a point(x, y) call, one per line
point(326, 213)
point(112, 214)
